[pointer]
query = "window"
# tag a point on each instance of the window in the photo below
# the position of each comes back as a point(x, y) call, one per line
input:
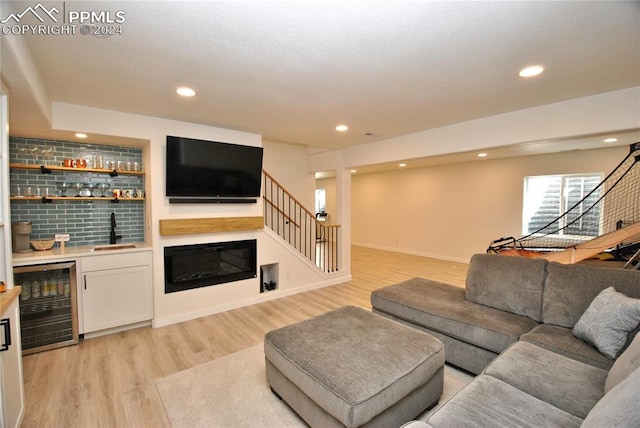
point(557, 201)
point(321, 200)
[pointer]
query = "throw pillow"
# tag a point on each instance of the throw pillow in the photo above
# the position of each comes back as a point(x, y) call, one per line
point(607, 321)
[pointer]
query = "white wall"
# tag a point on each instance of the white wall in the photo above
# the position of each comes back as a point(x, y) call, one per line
point(296, 275)
point(289, 165)
point(455, 211)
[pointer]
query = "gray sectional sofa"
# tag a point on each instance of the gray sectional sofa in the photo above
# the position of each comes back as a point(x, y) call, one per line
point(530, 312)
point(529, 386)
point(506, 299)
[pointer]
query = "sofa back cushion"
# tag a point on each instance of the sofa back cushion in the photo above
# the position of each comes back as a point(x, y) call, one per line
point(626, 363)
point(570, 289)
point(619, 407)
point(512, 284)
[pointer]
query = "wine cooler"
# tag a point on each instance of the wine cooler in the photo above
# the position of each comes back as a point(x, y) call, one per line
point(48, 314)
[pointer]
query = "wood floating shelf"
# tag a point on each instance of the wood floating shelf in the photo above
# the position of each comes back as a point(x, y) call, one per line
point(72, 198)
point(70, 169)
point(186, 226)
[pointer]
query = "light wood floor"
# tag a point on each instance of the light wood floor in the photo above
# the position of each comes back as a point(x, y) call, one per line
point(108, 381)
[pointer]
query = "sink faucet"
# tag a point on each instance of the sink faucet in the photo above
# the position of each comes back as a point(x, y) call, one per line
point(112, 236)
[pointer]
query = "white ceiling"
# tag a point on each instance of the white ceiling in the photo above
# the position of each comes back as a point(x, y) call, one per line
point(293, 70)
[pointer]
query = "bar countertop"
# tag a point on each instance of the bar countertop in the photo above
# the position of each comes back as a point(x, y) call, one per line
point(60, 254)
point(7, 298)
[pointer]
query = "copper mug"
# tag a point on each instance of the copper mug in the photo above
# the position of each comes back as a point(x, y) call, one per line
point(81, 163)
point(69, 163)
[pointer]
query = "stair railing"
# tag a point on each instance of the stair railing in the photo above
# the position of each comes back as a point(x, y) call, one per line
point(298, 226)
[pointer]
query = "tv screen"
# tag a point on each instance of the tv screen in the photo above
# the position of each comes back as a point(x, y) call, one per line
point(212, 169)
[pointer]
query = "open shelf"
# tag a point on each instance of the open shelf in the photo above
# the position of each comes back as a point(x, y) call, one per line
point(65, 168)
point(269, 276)
point(72, 198)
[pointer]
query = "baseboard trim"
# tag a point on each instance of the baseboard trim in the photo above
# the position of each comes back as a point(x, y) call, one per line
point(411, 252)
point(262, 297)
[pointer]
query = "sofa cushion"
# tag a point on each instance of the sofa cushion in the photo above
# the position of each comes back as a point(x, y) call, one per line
point(619, 407)
point(608, 320)
point(562, 341)
point(626, 363)
point(416, 424)
point(513, 284)
point(443, 308)
point(464, 355)
point(567, 384)
point(570, 289)
point(490, 402)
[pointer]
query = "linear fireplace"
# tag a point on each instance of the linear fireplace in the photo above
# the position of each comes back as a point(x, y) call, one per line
point(202, 265)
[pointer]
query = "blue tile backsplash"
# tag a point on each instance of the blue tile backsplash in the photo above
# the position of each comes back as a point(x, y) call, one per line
point(86, 221)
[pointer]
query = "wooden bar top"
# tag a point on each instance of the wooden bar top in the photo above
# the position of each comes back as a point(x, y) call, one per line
point(7, 298)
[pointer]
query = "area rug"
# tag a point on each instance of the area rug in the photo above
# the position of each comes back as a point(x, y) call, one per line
point(232, 391)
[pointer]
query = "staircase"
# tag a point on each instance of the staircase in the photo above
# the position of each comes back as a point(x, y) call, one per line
point(298, 226)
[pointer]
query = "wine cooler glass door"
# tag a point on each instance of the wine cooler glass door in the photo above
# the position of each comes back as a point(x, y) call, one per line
point(48, 315)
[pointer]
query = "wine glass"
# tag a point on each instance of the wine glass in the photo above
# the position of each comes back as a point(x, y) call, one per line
point(47, 153)
point(63, 187)
point(103, 187)
point(90, 187)
point(23, 150)
point(34, 150)
point(78, 188)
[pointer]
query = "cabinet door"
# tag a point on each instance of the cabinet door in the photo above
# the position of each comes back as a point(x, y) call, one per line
point(11, 360)
point(112, 298)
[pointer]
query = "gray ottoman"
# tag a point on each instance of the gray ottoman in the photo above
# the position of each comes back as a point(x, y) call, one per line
point(351, 367)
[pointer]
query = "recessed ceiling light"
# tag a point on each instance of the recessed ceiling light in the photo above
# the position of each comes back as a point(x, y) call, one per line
point(353, 171)
point(185, 92)
point(482, 155)
point(610, 140)
point(81, 135)
point(531, 71)
point(402, 165)
point(341, 128)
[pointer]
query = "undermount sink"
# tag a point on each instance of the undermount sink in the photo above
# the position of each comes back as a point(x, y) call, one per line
point(113, 247)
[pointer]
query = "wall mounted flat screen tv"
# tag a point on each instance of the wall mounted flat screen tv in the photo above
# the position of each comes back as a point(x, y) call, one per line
point(212, 169)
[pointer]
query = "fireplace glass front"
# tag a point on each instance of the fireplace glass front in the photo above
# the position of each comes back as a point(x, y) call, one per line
point(202, 265)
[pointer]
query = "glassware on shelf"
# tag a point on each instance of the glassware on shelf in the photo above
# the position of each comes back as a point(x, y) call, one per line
point(90, 187)
point(102, 188)
point(98, 162)
point(34, 150)
point(78, 188)
point(63, 187)
point(24, 151)
point(47, 154)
